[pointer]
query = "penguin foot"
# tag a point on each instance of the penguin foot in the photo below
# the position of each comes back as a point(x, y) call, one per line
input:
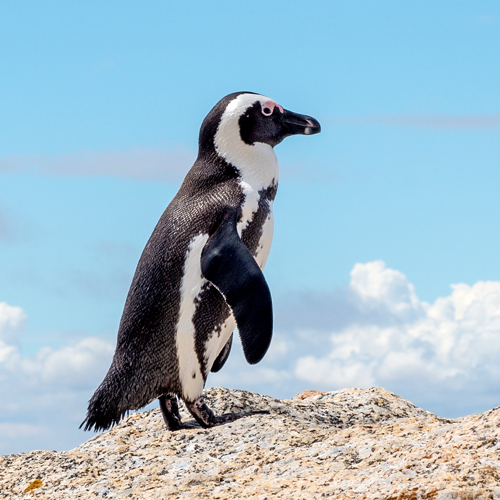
point(170, 411)
point(203, 415)
point(206, 418)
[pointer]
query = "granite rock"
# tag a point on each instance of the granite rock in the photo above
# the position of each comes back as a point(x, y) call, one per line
point(346, 444)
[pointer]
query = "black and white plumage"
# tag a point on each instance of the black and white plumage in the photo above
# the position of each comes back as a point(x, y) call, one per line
point(200, 274)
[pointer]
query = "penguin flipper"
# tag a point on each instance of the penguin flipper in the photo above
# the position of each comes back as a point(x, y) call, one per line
point(221, 359)
point(228, 264)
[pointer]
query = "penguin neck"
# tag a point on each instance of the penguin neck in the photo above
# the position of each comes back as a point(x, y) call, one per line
point(256, 163)
point(260, 170)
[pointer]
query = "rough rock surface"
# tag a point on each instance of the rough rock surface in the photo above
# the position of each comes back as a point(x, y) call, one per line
point(366, 444)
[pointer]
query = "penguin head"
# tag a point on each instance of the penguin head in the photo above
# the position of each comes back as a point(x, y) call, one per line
point(263, 120)
point(247, 123)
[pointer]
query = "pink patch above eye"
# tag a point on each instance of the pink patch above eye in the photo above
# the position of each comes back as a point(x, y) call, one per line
point(268, 108)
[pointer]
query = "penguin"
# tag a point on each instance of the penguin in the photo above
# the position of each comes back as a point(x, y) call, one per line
point(200, 274)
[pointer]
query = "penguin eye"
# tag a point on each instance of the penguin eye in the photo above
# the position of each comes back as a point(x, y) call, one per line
point(266, 111)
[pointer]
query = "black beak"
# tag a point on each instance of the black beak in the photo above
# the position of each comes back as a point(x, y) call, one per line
point(300, 124)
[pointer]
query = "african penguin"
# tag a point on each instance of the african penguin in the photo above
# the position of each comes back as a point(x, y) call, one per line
point(200, 274)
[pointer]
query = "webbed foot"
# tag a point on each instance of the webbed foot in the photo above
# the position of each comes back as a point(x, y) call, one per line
point(206, 418)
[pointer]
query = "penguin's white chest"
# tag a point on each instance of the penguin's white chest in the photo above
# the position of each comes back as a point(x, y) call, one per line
point(190, 375)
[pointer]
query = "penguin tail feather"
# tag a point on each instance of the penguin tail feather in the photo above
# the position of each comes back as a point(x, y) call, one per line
point(103, 411)
point(99, 421)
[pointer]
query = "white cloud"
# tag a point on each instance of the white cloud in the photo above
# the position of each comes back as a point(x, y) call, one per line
point(137, 163)
point(69, 366)
point(451, 345)
point(48, 390)
point(388, 290)
point(321, 371)
point(73, 367)
point(12, 322)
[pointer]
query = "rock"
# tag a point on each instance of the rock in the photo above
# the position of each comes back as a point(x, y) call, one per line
point(347, 444)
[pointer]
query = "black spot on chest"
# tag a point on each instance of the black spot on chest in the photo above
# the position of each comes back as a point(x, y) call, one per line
point(252, 234)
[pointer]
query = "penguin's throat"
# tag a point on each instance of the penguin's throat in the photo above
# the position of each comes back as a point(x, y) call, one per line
point(257, 164)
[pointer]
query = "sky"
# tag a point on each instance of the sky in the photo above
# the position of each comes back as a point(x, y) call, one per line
point(384, 268)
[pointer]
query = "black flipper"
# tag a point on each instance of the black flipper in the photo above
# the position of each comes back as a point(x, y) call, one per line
point(228, 264)
point(221, 359)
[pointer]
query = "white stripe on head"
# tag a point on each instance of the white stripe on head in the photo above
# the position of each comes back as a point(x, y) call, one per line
point(257, 163)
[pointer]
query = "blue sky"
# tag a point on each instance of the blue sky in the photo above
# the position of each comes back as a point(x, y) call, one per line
point(100, 109)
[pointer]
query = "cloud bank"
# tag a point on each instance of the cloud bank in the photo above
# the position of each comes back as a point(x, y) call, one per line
point(44, 396)
point(169, 166)
point(451, 345)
